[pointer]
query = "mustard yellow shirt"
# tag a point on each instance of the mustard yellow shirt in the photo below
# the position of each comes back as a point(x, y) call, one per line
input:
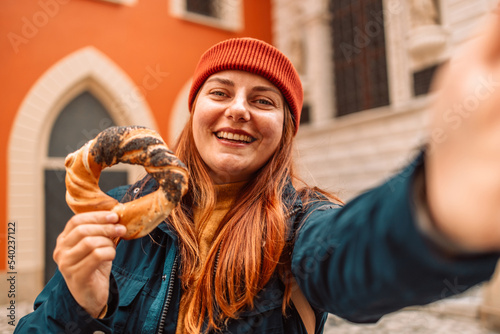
point(226, 194)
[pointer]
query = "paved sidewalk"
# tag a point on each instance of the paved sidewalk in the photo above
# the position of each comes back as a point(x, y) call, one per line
point(457, 315)
point(410, 322)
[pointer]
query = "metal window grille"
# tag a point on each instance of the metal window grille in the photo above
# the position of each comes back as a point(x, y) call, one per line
point(360, 62)
point(202, 7)
point(84, 113)
point(422, 80)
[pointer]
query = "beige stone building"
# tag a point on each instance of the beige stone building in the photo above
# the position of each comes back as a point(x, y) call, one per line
point(367, 68)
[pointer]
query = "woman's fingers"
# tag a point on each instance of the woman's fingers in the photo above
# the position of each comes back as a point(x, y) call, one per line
point(85, 264)
point(484, 48)
point(492, 37)
point(95, 217)
point(88, 230)
point(84, 233)
point(88, 224)
point(90, 248)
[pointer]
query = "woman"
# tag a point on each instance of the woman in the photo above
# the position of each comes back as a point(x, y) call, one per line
point(245, 252)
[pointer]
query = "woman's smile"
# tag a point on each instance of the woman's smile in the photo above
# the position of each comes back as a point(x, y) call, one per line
point(234, 136)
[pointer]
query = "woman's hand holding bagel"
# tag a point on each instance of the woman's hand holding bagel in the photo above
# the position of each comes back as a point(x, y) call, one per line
point(86, 248)
point(84, 252)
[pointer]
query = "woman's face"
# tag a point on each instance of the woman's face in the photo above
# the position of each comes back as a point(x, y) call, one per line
point(237, 124)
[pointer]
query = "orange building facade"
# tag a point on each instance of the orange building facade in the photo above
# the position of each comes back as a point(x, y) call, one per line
point(127, 61)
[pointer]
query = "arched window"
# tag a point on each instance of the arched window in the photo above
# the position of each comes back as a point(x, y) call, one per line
point(78, 122)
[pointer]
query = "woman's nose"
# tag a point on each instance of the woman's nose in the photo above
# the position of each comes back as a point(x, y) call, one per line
point(238, 110)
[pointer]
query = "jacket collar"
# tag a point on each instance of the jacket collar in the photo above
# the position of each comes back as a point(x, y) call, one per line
point(293, 207)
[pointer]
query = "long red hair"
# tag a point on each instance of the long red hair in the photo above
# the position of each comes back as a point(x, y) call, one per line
point(248, 246)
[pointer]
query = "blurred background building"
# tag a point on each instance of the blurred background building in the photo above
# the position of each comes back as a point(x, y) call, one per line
point(71, 68)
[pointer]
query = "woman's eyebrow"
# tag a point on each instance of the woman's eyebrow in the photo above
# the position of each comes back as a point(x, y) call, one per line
point(222, 81)
point(228, 82)
point(266, 89)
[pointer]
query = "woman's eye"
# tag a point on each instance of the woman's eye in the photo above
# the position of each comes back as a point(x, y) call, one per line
point(218, 93)
point(264, 101)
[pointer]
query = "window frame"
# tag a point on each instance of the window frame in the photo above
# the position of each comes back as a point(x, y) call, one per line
point(231, 14)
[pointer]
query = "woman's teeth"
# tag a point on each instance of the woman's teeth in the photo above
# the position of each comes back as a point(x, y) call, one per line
point(233, 136)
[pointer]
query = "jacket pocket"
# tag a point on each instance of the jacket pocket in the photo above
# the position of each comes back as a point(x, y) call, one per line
point(129, 286)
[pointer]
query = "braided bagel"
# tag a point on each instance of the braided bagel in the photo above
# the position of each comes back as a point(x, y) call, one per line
point(132, 145)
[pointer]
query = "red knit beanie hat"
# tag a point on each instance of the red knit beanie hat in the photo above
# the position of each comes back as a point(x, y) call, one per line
point(254, 56)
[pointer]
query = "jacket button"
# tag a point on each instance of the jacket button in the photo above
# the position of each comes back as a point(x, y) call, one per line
point(136, 190)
